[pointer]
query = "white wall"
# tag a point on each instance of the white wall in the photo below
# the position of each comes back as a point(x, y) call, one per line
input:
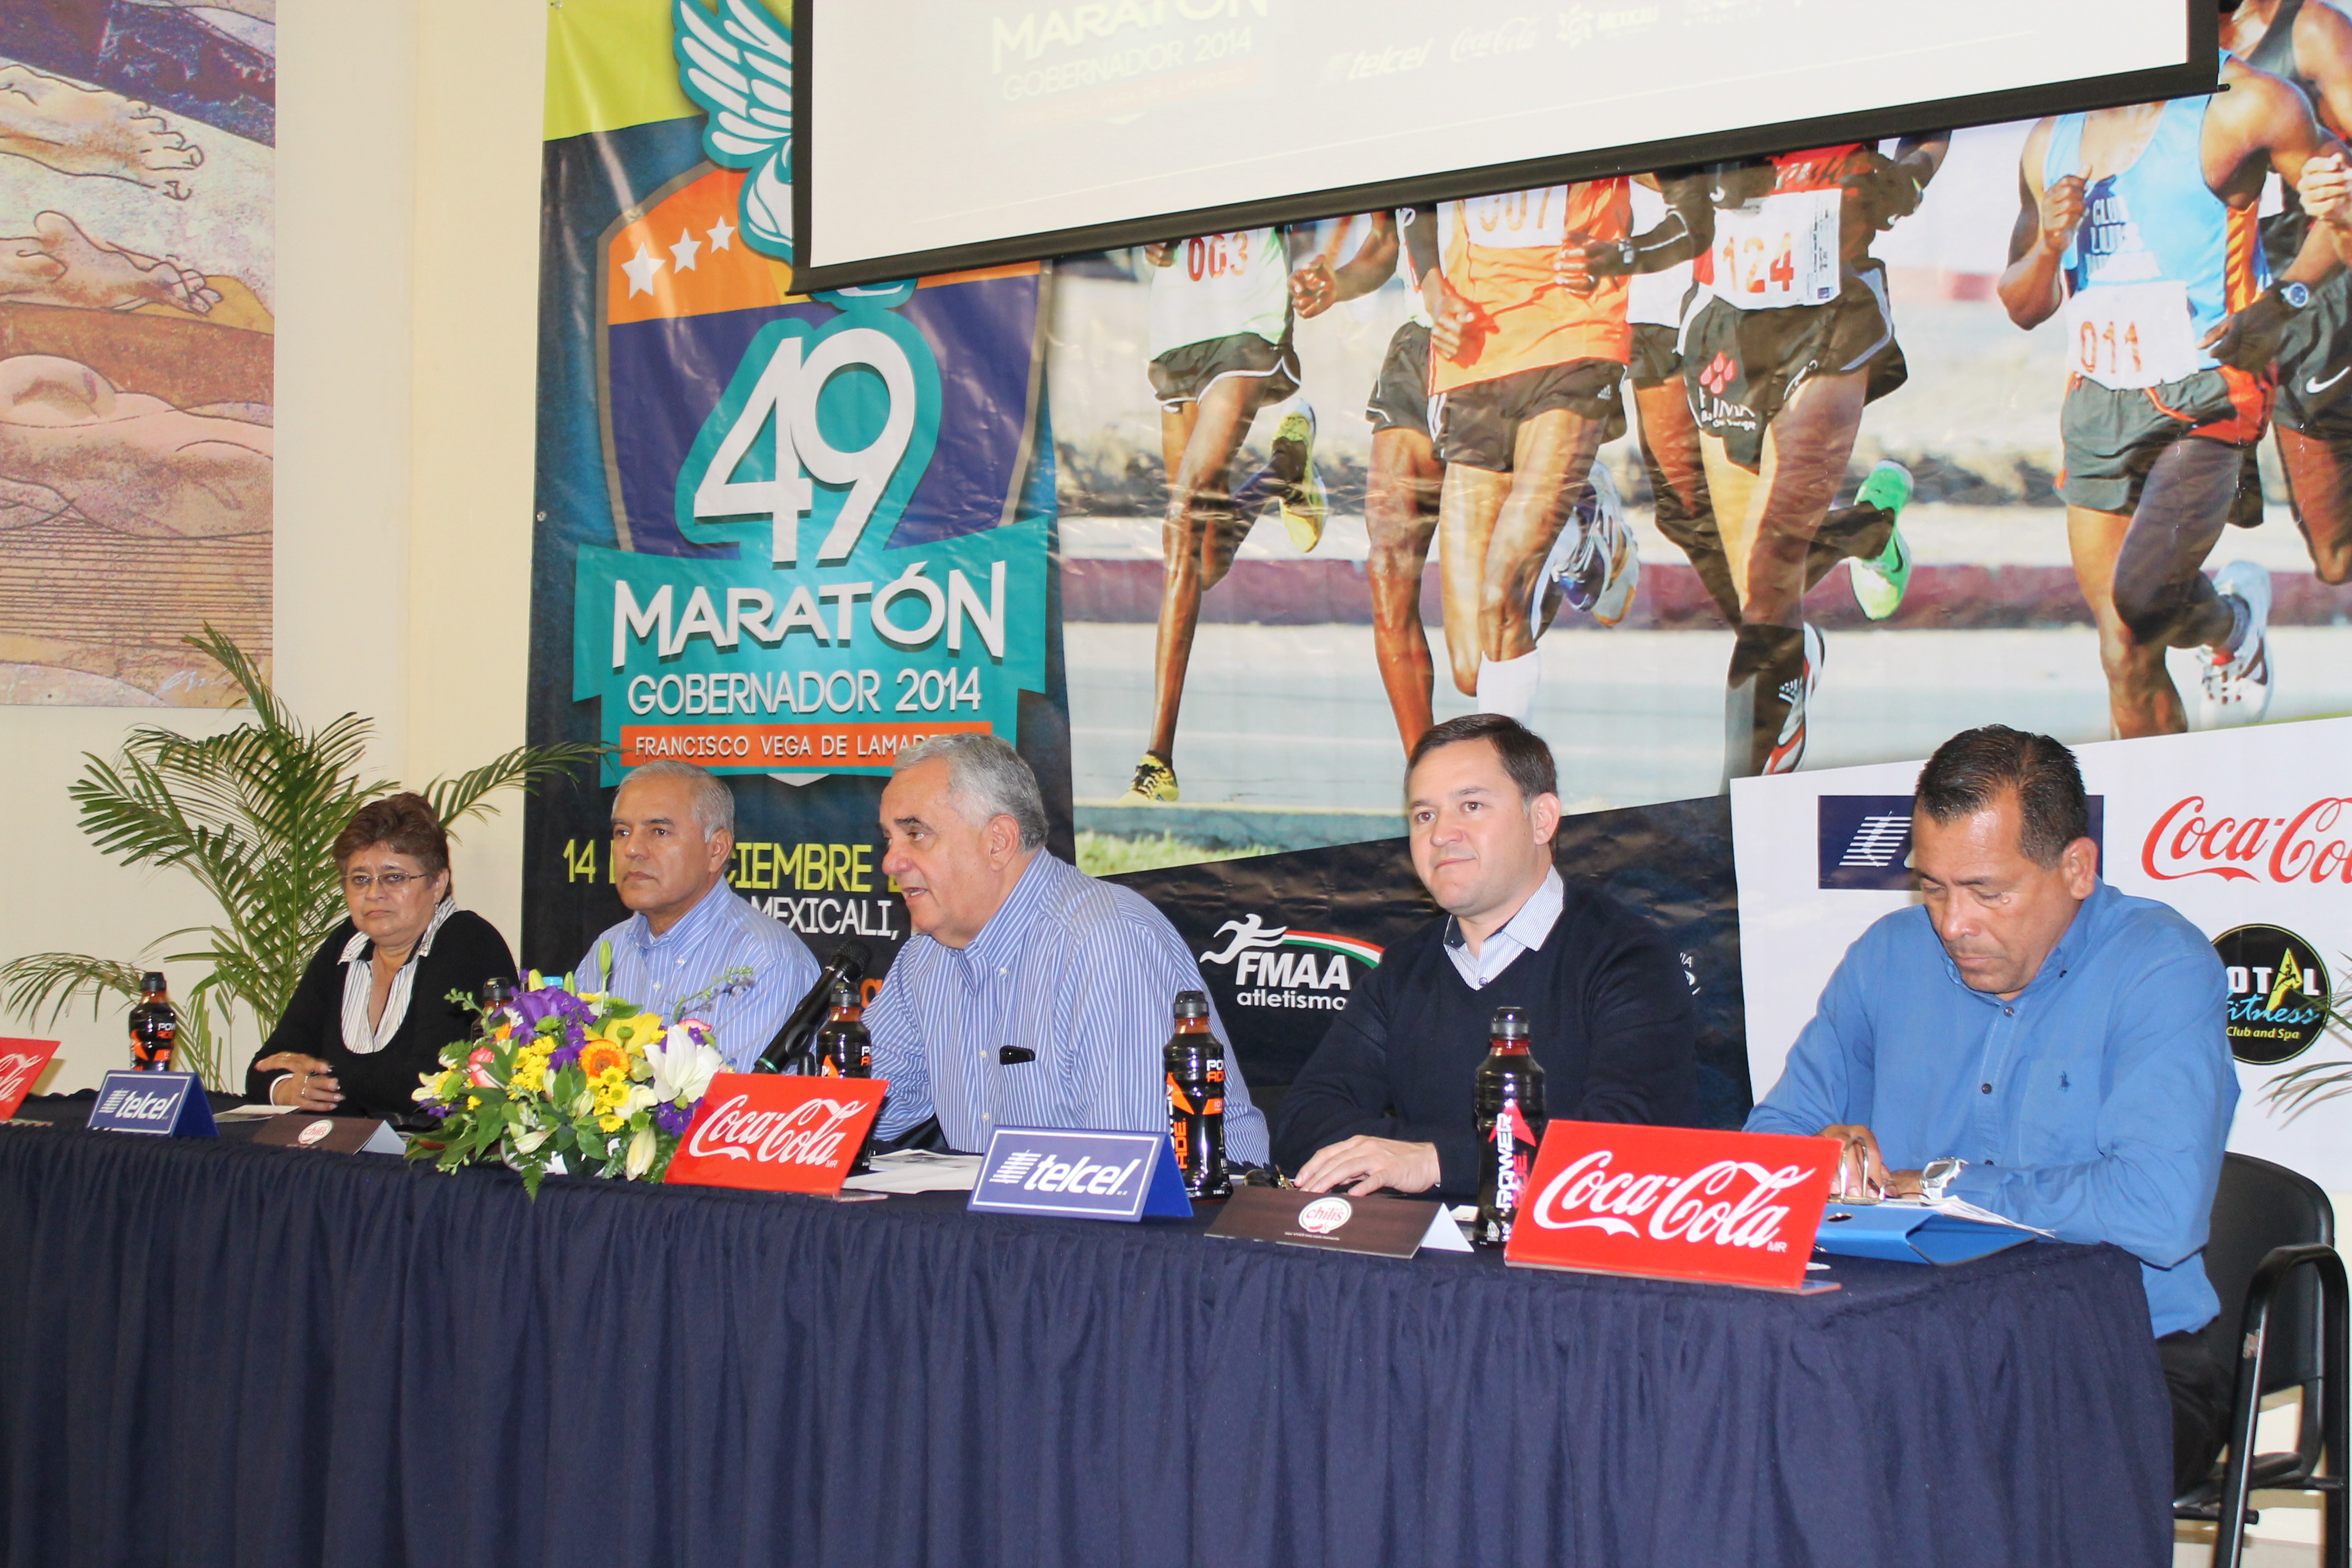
point(408, 144)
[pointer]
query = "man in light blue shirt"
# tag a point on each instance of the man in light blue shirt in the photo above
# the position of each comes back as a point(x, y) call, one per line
point(694, 949)
point(1030, 994)
point(2032, 1041)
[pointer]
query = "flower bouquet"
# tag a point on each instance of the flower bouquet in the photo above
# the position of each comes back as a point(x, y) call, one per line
point(575, 1082)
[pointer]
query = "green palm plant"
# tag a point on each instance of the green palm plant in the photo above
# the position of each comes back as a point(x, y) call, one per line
point(252, 814)
point(2297, 1089)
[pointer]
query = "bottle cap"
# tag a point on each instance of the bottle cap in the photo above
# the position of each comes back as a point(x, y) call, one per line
point(1191, 1004)
point(152, 981)
point(845, 993)
point(495, 990)
point(1510, 1024)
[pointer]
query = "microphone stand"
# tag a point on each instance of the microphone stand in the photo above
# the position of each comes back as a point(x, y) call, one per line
point(795, 1042)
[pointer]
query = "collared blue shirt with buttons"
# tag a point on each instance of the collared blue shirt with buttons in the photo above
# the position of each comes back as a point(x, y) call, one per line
point(2093, 1104)
point(686, 964)
point(1076, 980)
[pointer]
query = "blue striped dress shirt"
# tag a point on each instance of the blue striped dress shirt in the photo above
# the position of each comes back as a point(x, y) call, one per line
point(720, 934)
point(1082, 975)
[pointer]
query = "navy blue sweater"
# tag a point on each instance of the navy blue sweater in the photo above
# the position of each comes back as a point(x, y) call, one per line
point(1608, 1013)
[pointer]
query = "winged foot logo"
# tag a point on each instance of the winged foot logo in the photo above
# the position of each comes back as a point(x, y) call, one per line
point(738, 65)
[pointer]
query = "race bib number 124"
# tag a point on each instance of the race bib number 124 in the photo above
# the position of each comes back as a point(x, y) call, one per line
point(1780, 251)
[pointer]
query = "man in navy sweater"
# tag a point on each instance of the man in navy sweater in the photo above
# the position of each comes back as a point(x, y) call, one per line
point(1386, 1099)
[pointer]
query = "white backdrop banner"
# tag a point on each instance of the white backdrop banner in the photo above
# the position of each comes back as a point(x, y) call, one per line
point(2248, 832)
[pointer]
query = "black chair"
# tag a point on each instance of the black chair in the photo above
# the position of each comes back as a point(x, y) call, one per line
point(2272, 1248)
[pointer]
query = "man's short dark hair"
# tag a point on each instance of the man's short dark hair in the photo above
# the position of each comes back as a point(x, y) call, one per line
point(1972, 770)
point(1524, 756)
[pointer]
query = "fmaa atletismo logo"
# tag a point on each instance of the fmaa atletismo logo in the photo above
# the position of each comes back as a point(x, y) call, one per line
point(1281, 966)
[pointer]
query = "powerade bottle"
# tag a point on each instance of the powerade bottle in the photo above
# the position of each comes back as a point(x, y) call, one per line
point(154, 1026)
point(844, 1049)
point(1510, 1100)
point(1196, 1099)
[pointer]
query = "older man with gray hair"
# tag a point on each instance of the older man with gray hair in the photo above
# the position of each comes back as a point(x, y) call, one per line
point(693, 948)
point(1030, 994)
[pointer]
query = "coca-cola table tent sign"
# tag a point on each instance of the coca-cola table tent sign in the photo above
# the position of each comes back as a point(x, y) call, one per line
point(21, 1062)
point(1674, 1203)
point(776, 1134)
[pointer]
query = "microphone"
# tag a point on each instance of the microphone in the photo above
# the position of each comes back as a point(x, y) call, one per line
point(794, 1040)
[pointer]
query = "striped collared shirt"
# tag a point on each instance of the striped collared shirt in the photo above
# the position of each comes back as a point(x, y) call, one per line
point(683, 972)
point(359, 979)
point(1076, 980)
point(1523, 932)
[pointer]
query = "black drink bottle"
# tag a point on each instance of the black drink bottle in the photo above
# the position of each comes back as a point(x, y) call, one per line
point(1510, 1100)
point(844, 1049)
point(1196, 1099)
point(154, 1026)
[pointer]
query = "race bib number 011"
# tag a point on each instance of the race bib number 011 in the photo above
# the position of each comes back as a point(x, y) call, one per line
point(2130, 335)
point(1780, 251)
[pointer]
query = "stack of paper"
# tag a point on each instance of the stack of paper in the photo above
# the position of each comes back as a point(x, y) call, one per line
point(917, 1170)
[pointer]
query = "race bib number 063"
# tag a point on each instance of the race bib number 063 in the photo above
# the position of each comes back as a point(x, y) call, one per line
point(2128, 335)
point(1780, 251)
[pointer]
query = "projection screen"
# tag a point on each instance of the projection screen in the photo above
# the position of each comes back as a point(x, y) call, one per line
point(943, 133)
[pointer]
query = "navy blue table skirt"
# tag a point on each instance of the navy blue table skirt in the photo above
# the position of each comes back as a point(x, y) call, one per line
point(215, 1353)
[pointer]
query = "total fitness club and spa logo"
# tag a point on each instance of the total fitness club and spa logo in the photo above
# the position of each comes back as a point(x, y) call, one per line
point(1279, 966)
point(2278, 993)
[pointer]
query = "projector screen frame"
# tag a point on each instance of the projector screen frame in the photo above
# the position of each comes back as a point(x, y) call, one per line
point(2197, 74)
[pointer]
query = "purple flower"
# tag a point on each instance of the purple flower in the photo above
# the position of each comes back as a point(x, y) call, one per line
point(439, 1110)
point(671, 1120)
point(548, 1002)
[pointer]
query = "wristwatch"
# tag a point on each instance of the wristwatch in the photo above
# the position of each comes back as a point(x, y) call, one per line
point(2296, 295)
point(1937, 1174)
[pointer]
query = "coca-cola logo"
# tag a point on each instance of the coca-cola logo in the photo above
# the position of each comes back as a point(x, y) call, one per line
point(316, 1132)
point(2191, 839)
point(1325, 1216)
point(810, 1133)
point(17, 1071)
point(1724, 1204)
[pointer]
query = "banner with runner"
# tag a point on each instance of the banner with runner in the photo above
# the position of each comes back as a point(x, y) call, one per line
point(1804, 462)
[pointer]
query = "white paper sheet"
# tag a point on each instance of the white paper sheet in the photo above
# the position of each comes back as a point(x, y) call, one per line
point(917, 1170)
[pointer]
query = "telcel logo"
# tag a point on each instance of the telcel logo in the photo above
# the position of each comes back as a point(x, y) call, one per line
point(132, 1105)
point(1034, 1172)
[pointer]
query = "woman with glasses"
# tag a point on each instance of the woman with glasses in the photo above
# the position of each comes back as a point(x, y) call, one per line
point(371, 1011)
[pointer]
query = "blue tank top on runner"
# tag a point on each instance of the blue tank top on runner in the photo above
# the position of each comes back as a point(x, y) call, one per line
point(2158, 220)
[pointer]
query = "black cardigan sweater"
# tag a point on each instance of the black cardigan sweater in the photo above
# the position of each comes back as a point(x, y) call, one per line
point(1610, 1019)
point(467, 951)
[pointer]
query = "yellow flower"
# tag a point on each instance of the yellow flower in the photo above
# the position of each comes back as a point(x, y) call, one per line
point(631, 1033)
point(611, 1123)
point(473, 1102)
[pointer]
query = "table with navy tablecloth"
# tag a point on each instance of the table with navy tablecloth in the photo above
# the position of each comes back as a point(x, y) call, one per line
point(216, 1351)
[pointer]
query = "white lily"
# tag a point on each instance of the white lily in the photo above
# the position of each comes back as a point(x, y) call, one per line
point(641, 1154)
point(683, 1065)
point(529, 1143)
